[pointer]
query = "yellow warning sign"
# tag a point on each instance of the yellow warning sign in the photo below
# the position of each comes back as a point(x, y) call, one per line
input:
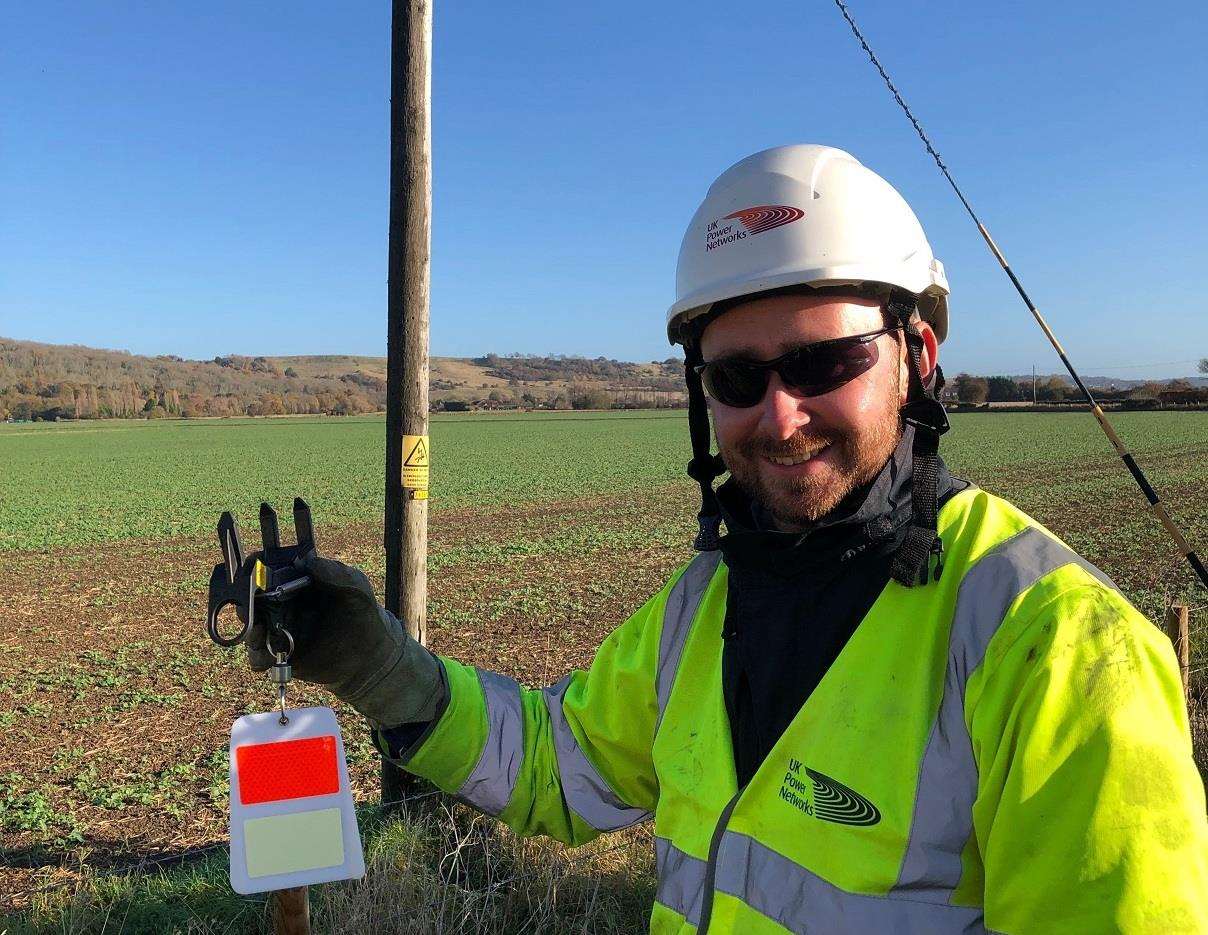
point(416, 460)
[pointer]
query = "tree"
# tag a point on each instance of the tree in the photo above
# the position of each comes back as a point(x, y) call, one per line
point(1204, 365)
point(593, 398)
point(971, 389)
point(1149, 390)
point(1052, 390)
point(1004, 390)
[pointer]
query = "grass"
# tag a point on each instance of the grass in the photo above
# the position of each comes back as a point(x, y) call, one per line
point(443, 869)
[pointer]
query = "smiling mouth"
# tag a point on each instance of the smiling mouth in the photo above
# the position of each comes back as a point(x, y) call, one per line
point(792, 460)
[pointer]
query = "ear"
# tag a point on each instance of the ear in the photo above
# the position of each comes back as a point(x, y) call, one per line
point(931, 350)
point(928, 358)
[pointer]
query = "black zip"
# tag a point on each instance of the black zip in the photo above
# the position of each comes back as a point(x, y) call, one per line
point(706, 906)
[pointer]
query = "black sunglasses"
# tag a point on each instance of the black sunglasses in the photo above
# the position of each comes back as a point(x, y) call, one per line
point(811, 370)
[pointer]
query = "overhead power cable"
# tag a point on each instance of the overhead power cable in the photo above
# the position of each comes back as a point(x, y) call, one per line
point(1151, 495)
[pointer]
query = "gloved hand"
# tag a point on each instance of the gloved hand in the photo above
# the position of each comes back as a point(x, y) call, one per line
point(348, 643)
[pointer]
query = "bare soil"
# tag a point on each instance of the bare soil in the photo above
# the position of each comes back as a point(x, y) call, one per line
point(117, 708)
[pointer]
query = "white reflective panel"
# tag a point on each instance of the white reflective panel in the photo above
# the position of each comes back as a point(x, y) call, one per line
point(292, 817)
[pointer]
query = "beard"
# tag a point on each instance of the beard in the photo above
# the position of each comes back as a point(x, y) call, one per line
point(854, 459)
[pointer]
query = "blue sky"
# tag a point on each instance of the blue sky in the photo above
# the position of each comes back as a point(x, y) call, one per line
point(211, 178)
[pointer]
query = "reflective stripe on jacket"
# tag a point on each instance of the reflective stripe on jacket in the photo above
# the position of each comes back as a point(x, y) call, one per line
point(1004, 750)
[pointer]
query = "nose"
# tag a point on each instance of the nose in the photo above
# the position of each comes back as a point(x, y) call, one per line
point(783, 413)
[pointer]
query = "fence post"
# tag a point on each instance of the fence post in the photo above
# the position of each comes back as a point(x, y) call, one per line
point(291, 911)
point(1177, 627)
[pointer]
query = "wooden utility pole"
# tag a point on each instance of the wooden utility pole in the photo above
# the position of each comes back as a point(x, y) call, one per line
point(407, 451)
point(291, 912)
point(1178, 625)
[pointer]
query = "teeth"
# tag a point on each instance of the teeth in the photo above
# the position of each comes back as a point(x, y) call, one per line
point(789, 462)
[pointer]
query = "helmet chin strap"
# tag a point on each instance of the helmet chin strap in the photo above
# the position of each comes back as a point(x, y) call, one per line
point(923, 411)
point(704, 466)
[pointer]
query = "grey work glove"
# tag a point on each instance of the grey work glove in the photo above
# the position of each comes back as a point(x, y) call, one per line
point(348, 643)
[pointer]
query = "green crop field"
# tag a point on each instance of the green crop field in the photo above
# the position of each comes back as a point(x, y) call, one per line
point(547, 530)
point(76, 484)
point(80, 483)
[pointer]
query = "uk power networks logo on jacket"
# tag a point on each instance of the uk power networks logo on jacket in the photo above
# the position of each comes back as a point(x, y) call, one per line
point(825, 798)
point(749, 221)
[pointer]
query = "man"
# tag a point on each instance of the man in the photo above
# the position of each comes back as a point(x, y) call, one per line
point(884, 700)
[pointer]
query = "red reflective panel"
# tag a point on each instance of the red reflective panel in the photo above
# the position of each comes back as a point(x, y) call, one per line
point(289, 769)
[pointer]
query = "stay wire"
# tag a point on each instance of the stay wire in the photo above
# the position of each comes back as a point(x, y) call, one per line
point(1125, 455)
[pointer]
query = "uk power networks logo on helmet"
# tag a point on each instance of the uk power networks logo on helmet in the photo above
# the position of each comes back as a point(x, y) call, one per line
point(749, 221)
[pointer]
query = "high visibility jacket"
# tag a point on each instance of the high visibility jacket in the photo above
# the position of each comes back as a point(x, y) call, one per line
point(1006, 749)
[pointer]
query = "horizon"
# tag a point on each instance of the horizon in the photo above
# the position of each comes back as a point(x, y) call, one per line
point(208, 181)
point(1039, 375)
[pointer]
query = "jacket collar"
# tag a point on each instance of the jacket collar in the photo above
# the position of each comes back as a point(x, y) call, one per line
point(872, 516)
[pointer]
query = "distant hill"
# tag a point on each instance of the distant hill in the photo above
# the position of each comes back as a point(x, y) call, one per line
point(48, 381)
point(1103, 383)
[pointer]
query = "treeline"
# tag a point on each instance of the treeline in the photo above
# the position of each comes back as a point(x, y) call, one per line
point(47, 381)
point(578, 395)
point(657, 375)
point(975, 390)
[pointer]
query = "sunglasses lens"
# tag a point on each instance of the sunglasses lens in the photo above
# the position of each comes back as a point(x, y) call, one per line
point(822, 369)
point(733, 383)
point(811, 370)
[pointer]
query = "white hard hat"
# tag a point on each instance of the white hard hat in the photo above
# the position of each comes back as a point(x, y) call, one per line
point(803, 215)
